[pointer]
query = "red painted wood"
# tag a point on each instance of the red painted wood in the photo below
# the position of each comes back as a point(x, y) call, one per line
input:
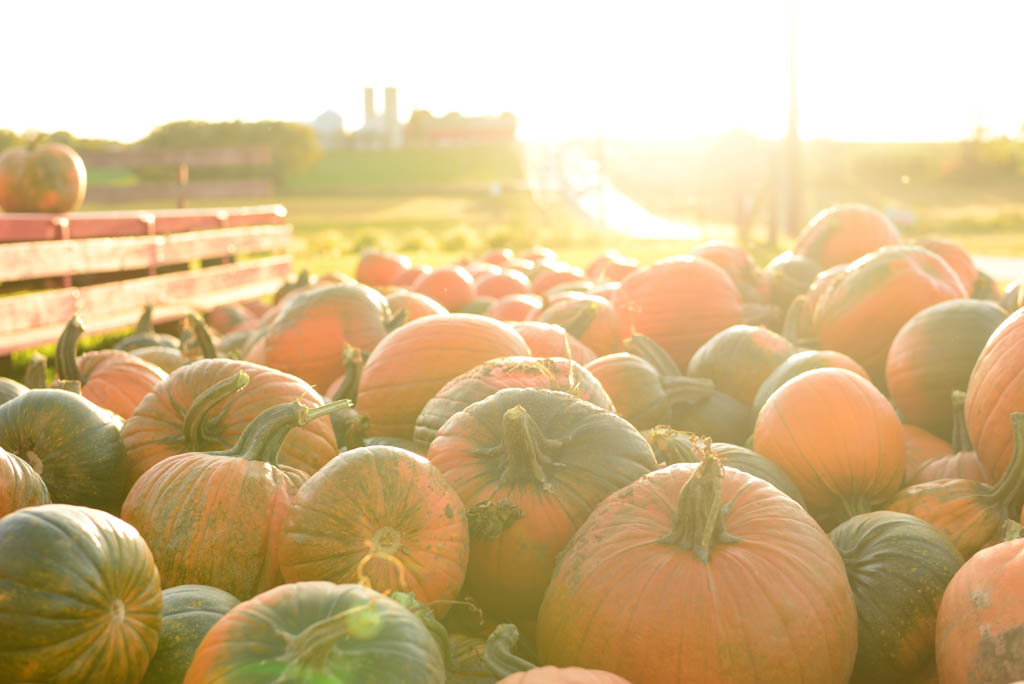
point(37, 318)
point(26, 260)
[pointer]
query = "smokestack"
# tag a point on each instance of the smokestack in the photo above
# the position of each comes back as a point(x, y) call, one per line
point(368, 100)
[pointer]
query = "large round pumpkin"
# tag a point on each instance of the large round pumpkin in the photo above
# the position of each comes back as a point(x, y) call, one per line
point(378, 268)
point(530, 465)
point(79, 597)
point(995, 390)
point(957, 258)
point(214, 518)
point(740, 266)
point(20, 485)
point(680, 303)
point(801, 362)
point(482, 381)
point(50, 179)
point(683, 574)
point(789, 275)
point(838, 438)
point(173, 419)
point(591, 319)
point(739, 359)
point(547, 340)
point(413, 362)
point(845, 232)
point(318, 632)
point(380, 515)
point(451, 287)
point(414, 305)
point(189, 611)
point(516, 307)
point(309, 334)
point(933, 354)
point(898, 566)
point(73, 444)
point(865, 307)
point(981, 619)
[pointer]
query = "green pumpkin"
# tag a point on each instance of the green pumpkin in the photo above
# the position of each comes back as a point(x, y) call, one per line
point(71, 442)
point(190, 610)
point(898, 567)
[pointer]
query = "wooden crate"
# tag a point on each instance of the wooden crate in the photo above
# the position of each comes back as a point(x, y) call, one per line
point(131, 249)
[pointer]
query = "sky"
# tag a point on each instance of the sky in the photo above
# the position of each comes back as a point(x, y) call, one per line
point(900, 70)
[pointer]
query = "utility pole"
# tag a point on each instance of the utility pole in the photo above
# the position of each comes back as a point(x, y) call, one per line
point(793, 196)
point(602, 183)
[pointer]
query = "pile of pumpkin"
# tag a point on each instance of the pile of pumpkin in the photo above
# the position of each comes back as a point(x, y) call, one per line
point(696, 470)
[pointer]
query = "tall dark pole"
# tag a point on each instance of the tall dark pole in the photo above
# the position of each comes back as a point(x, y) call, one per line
point(793, 195)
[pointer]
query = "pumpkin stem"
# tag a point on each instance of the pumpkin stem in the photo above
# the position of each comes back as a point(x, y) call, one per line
point(581, 320)
point(262, 438)
point(699, 523)
point(672, 446)
point(653, 353)
point(307, 652)
point(524, 445)
point(67, 365)
point(498, 656)
point(201, 333)
point(353, 370)
point(350, 428)
point(73, 386)
point(35, 372)
point(396, 320)
point(681, 389)
point(961, 438)
point(1009, 490)
point(197, 438)
point(145, 324)
point(1012, 530)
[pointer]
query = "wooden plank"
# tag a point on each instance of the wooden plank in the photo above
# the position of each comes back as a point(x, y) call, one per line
point(134, 157)
point(27, 260)
point(21, 227)
point(209, 189)
point(37, 318)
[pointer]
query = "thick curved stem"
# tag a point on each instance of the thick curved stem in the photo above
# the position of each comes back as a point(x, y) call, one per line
point(673, 446)
point(699, 523)
point(35, 372)
point(653, 353)
point(525, 446)
point(195, 425)
point(73, 386)
point(67, 363)
point(498, 656)
point(349, 387)
point(1009, 490)
point(202, 335)
point(262, 438)
point(145, 324)
point(961, 439)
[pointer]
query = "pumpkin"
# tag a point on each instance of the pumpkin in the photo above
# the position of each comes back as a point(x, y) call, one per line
point(484, 380)
point(970, 513)
point(412, 276)
point(377, 268)
point(145, 335)
point(50, 178)
point(740, 266)
point(978, 632)
point(466, 660)
point(995, 389)
point(35, 374)
point(801, 362)
point(414, 305)
point(504, 282)
point(518, 307)
point(718, 416)
point(20, 485)
point(530, 464)
point(213, 518)
point(195, 343)
point(674, 446)
point(680, 303)
point(959, 462)
point(933, 354)
point(228, 317)
point(740, 358)
point(865, 307)
point(898, 567)
point(548, 340)
point(957, 258)
point(189, 611)
point(845, 232)
point(798, 324)
point(589, 318)
point(318, 632)
point(451, 287)
point(611, 267)
point(499, 256)
point(79, 597)
point(789, 275)
point(309, 334)
point(855, 464)
point(113, 379)
point(416, 360)
point(383, 516)
point(73, 444)
point(707, 561)
point(350, 426)
point(10, 388)
point(512, 669)
point(550, 273)
point(922, 446)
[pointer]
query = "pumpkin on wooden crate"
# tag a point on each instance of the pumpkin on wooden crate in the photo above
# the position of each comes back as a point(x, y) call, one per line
point(48, 178)
point(898, 567)
point(416, 360)
point(318, 631)
point(845, 232)
point(213, 518)
point(381, 516)
point(705, 561)
point(20, 485)
point(530, 465)
point(839, 440)
point(79, 597)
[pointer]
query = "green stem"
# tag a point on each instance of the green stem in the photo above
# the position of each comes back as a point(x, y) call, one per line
point(961, 439)
point(73, 386)
point(349, 387)
point(262, 438)
point(653, 353)
point(145, 324)
point(35, 372)
point(195, 428)
point(525, 446)
point(699, 523)
point(498, 656)
point(672, 446)
point(202, 335)
point(67, 364)
point(1009, 490)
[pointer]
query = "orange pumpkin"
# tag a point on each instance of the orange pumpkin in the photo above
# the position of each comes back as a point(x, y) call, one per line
point(845, 232)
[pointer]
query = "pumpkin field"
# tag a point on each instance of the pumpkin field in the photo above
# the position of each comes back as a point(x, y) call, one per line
point(515, 468)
